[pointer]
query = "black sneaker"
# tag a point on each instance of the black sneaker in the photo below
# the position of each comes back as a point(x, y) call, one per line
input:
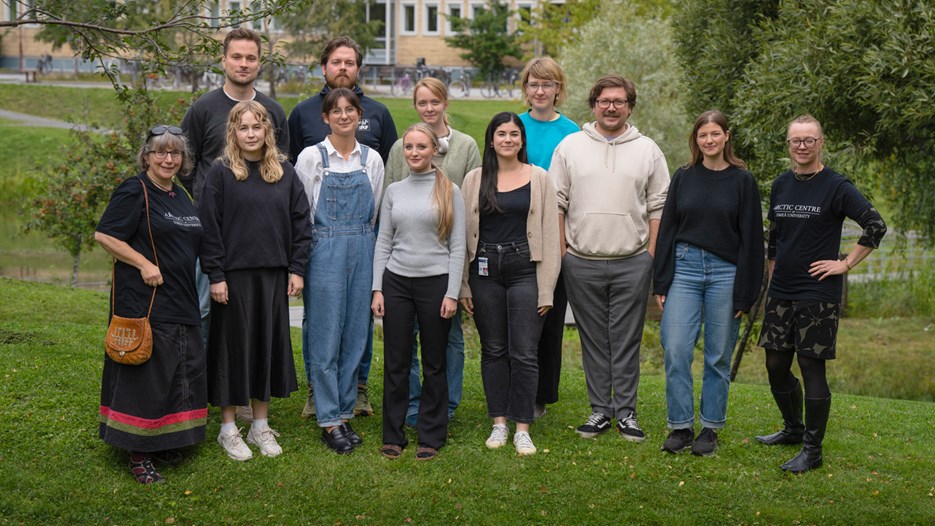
point(678, 440)
point(597, 423)
point(630, 429)
point(706, 443)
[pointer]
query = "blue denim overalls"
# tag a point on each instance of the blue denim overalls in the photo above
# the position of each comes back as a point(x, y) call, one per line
point(337, 287)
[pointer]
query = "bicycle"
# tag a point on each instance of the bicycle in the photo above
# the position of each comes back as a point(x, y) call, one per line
point(461, 86)
point(500, 85)
point(403, 85)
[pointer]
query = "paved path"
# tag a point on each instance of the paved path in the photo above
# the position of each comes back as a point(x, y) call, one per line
point(23, 119)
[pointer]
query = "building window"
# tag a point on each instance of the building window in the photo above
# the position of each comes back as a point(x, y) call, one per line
point(523, 14)
point(215, 14)
point(477, 9)
point(409, 19)
point(234, 11)
point(431, 19)
point(454, 13)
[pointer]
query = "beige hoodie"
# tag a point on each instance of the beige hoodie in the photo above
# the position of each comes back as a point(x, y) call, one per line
point(608, 191)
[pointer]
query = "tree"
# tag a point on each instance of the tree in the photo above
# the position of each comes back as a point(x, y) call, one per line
point(74, 192)
point(313, 23)
point(107, 29)
point(487, 40)
point(639, 47)
point(866, 70)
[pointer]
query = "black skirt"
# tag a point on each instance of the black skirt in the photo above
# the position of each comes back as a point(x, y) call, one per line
point(162, 403)
point(249, 345)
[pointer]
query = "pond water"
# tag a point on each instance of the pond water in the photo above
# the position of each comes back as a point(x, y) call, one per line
point(34, 257)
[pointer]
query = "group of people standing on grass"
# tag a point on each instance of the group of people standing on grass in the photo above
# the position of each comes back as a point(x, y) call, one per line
point(248, 208)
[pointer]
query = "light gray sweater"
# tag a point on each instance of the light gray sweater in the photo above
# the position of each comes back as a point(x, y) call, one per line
point(408, 243)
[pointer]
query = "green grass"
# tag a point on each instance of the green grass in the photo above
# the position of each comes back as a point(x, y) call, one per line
point(54, 470)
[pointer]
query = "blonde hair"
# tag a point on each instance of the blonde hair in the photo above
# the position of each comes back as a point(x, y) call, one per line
point(442, 194)
point(436, 87)
point(270, 165)
point(544, 68)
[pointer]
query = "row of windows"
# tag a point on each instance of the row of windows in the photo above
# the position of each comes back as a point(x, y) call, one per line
point(431, 16)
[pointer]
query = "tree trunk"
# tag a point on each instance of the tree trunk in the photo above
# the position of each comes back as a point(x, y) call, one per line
point(77, 255)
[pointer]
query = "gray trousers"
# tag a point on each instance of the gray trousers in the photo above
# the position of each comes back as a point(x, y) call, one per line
point(608, 298)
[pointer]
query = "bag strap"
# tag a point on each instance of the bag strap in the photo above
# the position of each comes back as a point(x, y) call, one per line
point(113, 274)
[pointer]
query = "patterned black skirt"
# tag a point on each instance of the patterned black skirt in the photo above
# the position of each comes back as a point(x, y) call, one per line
point(162, 403)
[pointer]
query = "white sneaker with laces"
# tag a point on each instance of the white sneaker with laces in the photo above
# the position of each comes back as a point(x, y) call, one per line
point(266, 440)
point(498, 436)
point(523, 443)
point(234, 445)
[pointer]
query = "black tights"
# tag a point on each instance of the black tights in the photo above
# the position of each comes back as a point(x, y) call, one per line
point(781, 379)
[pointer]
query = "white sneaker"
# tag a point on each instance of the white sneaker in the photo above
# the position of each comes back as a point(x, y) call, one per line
point(523, 443)
point(498, 436)
point(234, 445)
point(265, 440)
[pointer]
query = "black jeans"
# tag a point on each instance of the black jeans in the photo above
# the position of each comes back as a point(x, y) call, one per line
point(505, 303)
point(404, 299)
point(550, 346)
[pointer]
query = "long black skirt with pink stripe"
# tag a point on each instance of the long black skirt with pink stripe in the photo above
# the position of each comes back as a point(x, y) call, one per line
point(161, 404)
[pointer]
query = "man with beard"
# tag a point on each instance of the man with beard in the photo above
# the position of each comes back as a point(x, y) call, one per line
point(205, 124)
point(612, 184)
point(340, 64)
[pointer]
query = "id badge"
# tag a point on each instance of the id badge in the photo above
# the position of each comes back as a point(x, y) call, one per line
point(482, 267)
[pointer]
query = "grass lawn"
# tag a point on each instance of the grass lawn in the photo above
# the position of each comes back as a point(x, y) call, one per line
point(99, 106)
point(54, 470)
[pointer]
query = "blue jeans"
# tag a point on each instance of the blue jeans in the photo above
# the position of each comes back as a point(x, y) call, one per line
point(454, 356)
point(701, 293)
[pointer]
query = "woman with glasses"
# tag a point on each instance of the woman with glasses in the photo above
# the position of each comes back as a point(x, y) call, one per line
point(153, 409)
point(543, 91)
point(707, 271)
point(457, 155)
point(807, 207)
point(343, 181)
point(416, 276)
point(254, 252)
point(512, 264)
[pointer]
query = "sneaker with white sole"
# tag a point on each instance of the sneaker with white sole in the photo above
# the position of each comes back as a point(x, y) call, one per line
point(498, 436)
point(523, 443)
point(234, 445)
point(629, 428)
point(265, 440)
point(597, 423)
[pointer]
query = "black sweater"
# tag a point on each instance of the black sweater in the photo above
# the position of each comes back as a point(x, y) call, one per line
point(253, 224)
point(718, 211)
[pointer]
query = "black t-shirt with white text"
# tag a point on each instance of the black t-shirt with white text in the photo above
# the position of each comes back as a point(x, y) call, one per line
point(177, 234)
point(808, 216)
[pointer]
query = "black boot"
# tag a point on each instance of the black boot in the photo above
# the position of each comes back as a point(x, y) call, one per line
point(816, 420)
point(790, 405)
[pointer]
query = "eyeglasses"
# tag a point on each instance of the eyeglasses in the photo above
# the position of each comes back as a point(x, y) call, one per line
point(606, 103)
point(162, 129)
point(533, 87)
point(809, 142)
point(160, 155)
point(337, 112)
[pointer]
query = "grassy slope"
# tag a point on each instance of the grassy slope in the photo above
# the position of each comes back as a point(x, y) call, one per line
point(54, 470)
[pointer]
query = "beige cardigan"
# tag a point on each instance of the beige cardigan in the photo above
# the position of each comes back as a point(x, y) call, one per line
point(541, 230)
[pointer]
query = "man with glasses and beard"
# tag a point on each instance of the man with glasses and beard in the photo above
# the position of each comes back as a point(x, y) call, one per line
point(612, 183)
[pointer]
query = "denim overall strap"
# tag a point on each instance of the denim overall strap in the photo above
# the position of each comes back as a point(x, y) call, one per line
point(345, 202)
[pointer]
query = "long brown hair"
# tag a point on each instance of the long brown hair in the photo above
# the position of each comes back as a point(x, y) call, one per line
point(713, 117)
point(270, 166)
point(442, 193)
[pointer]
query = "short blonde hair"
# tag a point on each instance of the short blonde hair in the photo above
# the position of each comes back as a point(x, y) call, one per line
point(545, 68)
